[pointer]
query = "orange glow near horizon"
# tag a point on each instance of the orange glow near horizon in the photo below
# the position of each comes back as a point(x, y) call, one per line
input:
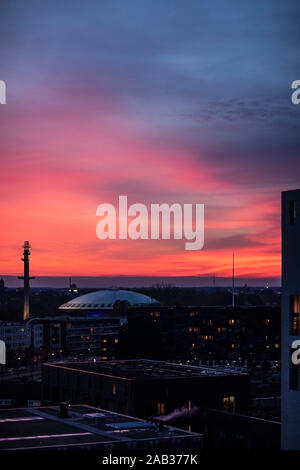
point(53, 177)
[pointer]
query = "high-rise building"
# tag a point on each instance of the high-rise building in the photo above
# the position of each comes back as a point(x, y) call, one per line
point(290, 323)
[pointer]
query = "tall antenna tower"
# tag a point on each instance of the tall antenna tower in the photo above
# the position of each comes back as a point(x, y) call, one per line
point(26, 277)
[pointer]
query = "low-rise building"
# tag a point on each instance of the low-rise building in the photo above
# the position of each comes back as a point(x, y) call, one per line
point(145, 387)
point(85, 428)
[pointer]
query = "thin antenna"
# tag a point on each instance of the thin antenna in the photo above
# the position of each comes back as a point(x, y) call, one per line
point(233, 301)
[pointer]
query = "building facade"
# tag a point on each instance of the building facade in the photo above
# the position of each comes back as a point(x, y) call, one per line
point(290, 329)
point(81, 336)
point(19, 336)
point(220, 333)
point(145, 388)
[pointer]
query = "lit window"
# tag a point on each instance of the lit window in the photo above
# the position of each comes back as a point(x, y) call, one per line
point(161, 408)
point(267, 321)
point(229, 403)
point(114, 389)
point(116, 340)
point(294, 314)
point(231, 322)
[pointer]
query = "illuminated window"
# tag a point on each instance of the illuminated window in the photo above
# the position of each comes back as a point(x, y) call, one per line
point(161, 408)
point(267, 321)
point(116, 340)
point(196, 330)
point(292, 212)
point(294, 314)
point(193, 314)
point(104, 340)
point(229, 403)
point(114, 389)
point(232, 346)
point(276, 346)
point(190, 329)
point(231, 322)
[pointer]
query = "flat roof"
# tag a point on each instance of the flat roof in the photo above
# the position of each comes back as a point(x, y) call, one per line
point(86, 426)
point(146, 369)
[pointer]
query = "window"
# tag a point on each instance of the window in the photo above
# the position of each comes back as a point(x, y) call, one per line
point(294, 314)
point(161, 408)
point(229, 403)
point(231, 322)
point(114, 389)
point(292, 212)
point(294, 373)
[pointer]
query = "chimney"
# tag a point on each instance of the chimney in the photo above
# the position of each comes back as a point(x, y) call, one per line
point(63, 410)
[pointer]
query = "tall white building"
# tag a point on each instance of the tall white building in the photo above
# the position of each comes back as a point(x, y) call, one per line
point(290, 319)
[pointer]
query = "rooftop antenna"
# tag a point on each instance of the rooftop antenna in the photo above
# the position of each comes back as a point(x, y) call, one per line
point(233, 301)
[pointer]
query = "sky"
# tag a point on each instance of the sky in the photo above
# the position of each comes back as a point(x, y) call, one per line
point(164, 101)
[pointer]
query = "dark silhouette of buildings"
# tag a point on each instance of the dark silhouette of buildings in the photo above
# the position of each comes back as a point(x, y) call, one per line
point(144, 387)
point(208, 333)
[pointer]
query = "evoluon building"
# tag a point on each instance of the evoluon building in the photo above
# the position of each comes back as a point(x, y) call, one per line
point(102, 302)
point(89, 325)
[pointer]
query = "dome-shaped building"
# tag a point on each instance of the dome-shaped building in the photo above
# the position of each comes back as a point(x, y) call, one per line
point(104, 300)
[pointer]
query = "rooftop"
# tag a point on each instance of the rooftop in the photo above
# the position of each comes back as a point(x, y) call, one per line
point(86, 427)
point(146, 369)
